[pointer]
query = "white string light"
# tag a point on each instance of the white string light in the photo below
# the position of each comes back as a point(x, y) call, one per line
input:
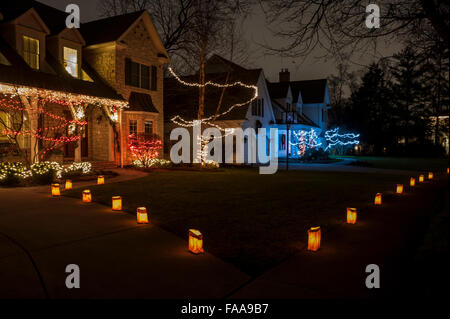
point(203, 142)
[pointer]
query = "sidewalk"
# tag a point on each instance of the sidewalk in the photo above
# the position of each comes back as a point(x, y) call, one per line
point(120, 259)
point(386, 236)
point(117, 257)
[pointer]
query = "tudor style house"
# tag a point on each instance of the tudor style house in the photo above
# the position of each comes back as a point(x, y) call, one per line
point(104, 80)
point(301, 104)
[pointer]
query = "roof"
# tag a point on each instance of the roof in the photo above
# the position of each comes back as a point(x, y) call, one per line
point(183, 101)
point(301, 118)
point(278, 90)
point(141, 102)
point(55, 19)
point(217, 64)
point(313, 91)
point(19, 73)
point(108, 29)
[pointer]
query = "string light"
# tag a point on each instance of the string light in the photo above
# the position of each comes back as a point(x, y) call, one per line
point(333, 138)
point(180, 121)
point(50, 95)
point(201, 141)
point(304, 140)
point(143, 149)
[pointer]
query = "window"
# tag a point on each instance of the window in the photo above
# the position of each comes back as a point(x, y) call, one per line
point(148, 127)
point(282, 142)
point(258, 107)
point(133, 127)
point(138, 75)
point(145, 77)
point(154, 86)
point(288, 107)
point(71, 61)
point(31, 52)
point(3, 60)
point(86, 77)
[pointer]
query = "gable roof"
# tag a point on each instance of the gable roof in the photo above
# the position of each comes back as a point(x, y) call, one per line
point(312, 91)
point(183, 100)
point(19, 73)
point(217, 64)
point(108, 29)
point(278, 90)
point(55, 19)
point(301, 118)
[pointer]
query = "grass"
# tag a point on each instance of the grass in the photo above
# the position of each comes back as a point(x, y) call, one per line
point(253, 221)
point(404, 163)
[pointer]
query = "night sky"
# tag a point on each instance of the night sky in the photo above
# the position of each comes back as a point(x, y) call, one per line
point(311, 68)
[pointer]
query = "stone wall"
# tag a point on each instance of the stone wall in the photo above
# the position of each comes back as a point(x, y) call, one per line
point(109, 62)
point(100, 139)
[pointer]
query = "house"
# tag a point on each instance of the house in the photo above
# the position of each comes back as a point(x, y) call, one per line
point(99, 83)
point(181, 102)
point(302, 107)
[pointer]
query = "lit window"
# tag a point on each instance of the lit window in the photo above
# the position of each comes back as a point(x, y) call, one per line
point(71, 61)
point(148, 127)
point(85, 76)
point(3, 60)
point(133, 127)
point(31, 52)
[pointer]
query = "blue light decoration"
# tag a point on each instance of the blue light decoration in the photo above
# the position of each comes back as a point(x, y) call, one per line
point(335, 139)
point(303, 140)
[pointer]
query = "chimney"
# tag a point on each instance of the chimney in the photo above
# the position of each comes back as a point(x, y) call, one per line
point(285, 75)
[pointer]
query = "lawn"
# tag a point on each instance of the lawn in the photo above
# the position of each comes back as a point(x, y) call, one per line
point(253, 221)
point(404, 163)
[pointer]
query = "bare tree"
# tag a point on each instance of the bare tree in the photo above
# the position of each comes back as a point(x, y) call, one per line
point(339, 25)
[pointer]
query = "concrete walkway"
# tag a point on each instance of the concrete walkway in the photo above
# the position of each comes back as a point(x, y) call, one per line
point(117, 257)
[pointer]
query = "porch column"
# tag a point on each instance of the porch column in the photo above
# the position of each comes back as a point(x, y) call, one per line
point(77, 158)
point(32, 110)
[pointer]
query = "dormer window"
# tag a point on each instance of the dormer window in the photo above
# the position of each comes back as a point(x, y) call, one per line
point(71, 61)
point(31, 52)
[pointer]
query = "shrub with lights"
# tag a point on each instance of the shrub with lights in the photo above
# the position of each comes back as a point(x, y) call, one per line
point(144, 149)
point(210, 164)
point(45, 172)
point(11, 174)
point(153, 163)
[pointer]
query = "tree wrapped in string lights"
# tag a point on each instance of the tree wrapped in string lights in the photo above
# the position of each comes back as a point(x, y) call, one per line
point(33, 130)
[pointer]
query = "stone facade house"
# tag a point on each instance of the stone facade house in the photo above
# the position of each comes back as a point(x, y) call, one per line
point(108, 73)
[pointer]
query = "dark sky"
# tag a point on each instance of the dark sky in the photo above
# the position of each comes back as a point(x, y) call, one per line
point(256, 32)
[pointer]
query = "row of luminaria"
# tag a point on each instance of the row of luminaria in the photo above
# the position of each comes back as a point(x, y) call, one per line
point(195, 236)
point(314, 233)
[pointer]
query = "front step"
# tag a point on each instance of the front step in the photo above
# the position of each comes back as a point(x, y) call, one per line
point(103, 166)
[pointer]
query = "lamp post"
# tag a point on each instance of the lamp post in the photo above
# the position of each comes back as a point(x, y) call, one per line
point(288, 122)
